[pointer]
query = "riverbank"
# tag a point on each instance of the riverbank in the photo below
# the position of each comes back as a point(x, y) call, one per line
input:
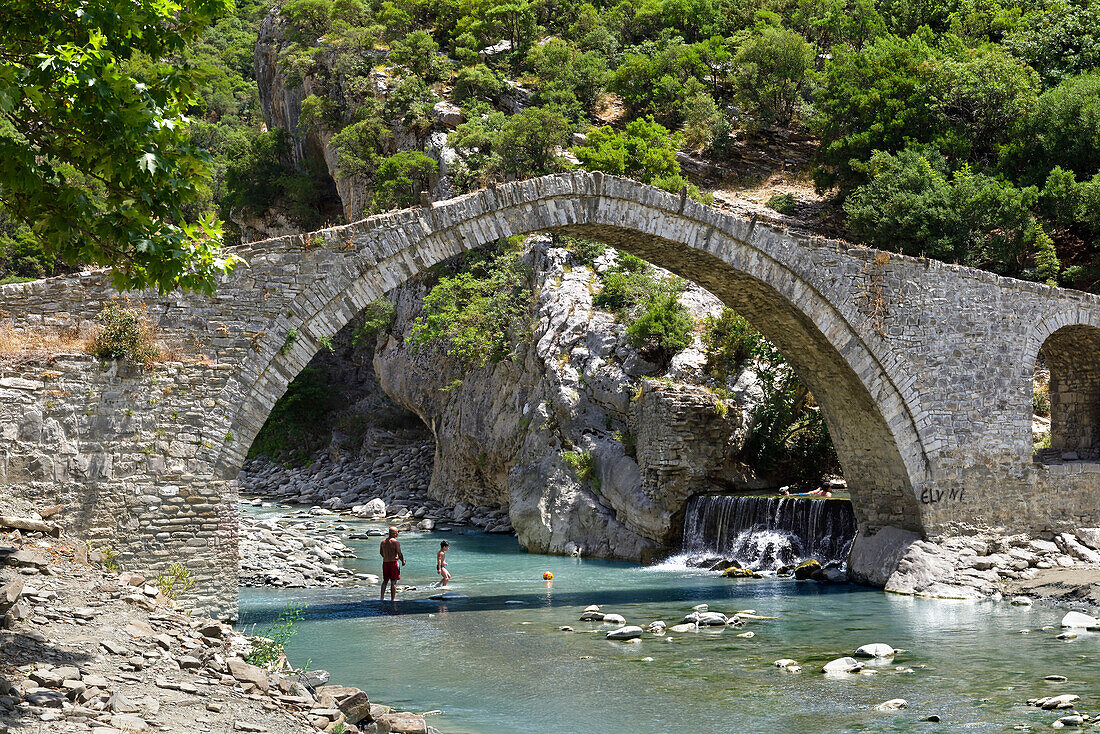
point(89, 649)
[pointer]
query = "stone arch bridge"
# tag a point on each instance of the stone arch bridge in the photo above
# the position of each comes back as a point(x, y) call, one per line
point(923, 370)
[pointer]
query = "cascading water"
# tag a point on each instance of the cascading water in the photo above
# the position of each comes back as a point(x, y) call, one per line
point(765, 533)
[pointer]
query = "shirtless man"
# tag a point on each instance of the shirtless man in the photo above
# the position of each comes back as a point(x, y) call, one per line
point(441, 563)
point(391, 570)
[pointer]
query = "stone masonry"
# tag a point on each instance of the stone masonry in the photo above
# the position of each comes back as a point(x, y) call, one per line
point(923, 369)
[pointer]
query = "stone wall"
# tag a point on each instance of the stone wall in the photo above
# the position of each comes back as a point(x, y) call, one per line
point(923, 370)
point(115, 444)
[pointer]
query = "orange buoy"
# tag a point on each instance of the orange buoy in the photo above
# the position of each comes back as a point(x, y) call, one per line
point(547, 575)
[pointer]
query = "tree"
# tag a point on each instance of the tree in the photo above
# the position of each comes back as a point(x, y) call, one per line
point(642, 151)
point(419, 53)
point(400, 177)
point(770, 69)
point(94, 151)
point(1061, 129)
point(527, 143)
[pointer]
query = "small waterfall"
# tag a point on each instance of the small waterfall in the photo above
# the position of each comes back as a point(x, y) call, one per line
point(765, 533)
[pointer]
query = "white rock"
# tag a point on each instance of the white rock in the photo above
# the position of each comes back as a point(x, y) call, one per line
point(700, 607)
point(592, 616)
point(592, 608)
point(842, 665)
point(625, 633)
point(712, 619)
point(784, 663)
point(1077, 619)
point(747, 634)
point(614, 619)
point(875, 650)
point(687, 627)
point(893, 704)
point(657, 626)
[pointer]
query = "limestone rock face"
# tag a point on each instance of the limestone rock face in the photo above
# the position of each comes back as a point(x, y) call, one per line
point(510, 435)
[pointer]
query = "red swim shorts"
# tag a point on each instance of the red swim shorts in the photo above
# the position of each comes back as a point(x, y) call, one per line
point(391, 571)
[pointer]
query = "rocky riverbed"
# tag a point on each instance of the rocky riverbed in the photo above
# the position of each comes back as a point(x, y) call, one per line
point(302, 549)
point(92, 650)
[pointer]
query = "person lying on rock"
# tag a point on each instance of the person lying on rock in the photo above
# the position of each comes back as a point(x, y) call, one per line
point(819, 492)
point(391, 553)
point(441, 563)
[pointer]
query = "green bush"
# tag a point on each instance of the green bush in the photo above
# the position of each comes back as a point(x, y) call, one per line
point(585, 251)
point(730, 341)
point(770, 70)
point(377, 317)
point(123, 332)
point(478, 315)
point(477, 83)
point(401, 177)
point(419, 53)
point(269, 645)
point(584, 466)
point(782, 203)
point(663, 328)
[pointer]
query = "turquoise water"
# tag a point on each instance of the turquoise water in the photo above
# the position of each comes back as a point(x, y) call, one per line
point(495, 667)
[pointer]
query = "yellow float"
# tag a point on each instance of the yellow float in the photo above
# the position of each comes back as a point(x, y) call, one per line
point(547, 575)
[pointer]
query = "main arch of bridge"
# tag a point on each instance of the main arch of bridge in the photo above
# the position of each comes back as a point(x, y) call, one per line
point(826, 331)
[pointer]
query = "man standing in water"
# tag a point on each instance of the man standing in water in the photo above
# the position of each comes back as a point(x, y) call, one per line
point(391, 570)
point(441, 563)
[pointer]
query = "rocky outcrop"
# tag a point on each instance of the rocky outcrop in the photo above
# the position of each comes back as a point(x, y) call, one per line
point(589, 448)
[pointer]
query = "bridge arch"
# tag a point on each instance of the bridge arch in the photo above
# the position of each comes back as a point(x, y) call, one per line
point(1069, 343)
point(796, 291)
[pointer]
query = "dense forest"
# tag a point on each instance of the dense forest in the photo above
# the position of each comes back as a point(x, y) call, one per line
point(964, 131)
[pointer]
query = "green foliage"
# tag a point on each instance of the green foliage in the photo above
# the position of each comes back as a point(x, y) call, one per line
point(913, 205)
point(527, 142)
point(376, 318)
point(642, 151)
point(663, 328)
point(289, 342)
point(176, 582)
point(477, 83)
point(419, 54)
point(1062, 129)
point(269, 645)
point(401, 177)
point(299, 421)
point(770, 73)
point(584, 466)
point(1040, 400)
point(263, 177)
point(124, 332)
point(479, 314)
point(585, 251)
point(782, 203)
point(789, 436)
point(94, 151)
point(1058, 39)
point(659, 82)
point(730, 342)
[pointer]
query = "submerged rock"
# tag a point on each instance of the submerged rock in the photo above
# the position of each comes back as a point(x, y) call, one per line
point(875, 650)
point(625, 633)
point(894, 704)
point(842, 665)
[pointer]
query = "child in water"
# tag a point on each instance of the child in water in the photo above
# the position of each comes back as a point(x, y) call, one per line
point(441, 563)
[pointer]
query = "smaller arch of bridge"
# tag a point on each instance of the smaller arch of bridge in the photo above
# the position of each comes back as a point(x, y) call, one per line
point(776, 280)
point(1069, 341)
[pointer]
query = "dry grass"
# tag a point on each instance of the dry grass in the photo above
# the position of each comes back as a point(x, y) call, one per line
point(42, 342)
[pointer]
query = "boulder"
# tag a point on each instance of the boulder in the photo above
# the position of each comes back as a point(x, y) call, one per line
point(785, 663)
point(247, 673)
point(735, 572)
point(1078, 619)
point(655, 627)
point(806, 569)
point(894, 704)
point(592, 616)
point(401, 722)
point(874, 558)
point(712, 619)
point(686, 627)
point(842, 665)
point(356, 708)
point(1089, 537)
point(875, 650)
point(614, 619)
point(448, 114)
point(9, 595)
point(625, 633)
point(314, 679)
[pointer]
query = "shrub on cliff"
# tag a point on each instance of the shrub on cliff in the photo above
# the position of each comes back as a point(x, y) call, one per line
point(123, 332)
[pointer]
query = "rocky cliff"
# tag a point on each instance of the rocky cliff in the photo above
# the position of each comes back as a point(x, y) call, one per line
point(590, 449)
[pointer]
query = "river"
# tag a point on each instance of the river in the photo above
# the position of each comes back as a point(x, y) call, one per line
point(496, 661)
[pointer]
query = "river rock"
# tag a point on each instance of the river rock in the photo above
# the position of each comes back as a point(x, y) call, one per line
point(842, 665)
point(712, 619)
point(614, 619)
point(894, 704)
point(655, 627)
point(1078, 619)
point(1049, 703)
point(247, 673)
point(686, 627)
point(1070, 720)
point(700, 608)
point(625, 633)
point(875, 650)
point(784, 663)
point(806, 569)
point(592, 608)
point(401, 722)
point(587, 616)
